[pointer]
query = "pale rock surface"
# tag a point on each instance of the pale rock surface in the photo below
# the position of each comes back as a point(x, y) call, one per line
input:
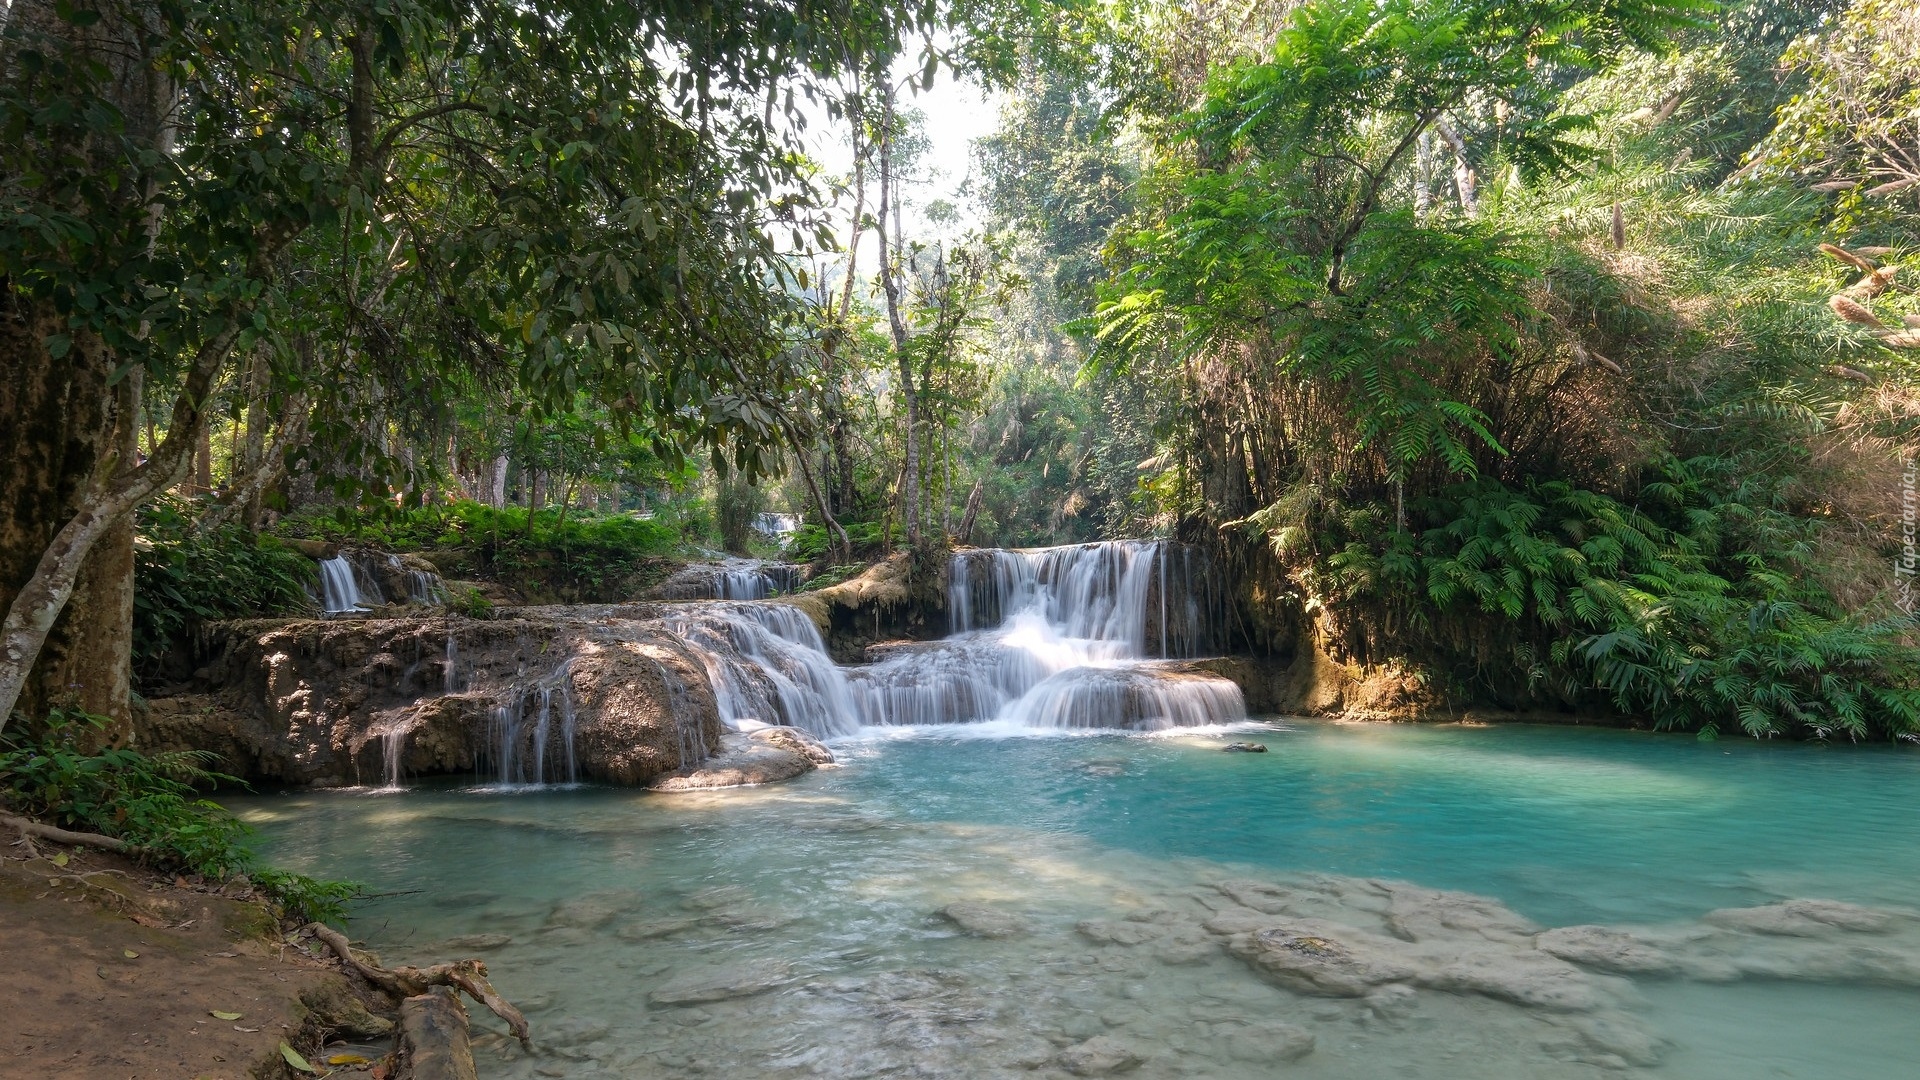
point(705, 985)
point(985, 920)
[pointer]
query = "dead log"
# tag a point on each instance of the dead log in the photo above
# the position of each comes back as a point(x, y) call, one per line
point(434, 1036)
point(62, 836)
point(469, 976)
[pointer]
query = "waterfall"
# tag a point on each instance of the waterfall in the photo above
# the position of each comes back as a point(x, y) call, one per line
point(1086, 636)
point(755, 582)
point(768, 664)
point(346, 588)
point(1062, 637)
point(393, 753)
point(777, 527)
point(527, 747)
point(422, 587)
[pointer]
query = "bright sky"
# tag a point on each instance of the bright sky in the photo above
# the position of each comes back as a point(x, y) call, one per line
point(957, 113)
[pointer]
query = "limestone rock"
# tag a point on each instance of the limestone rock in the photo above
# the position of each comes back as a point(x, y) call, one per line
point(984, 920)
point(595, 909)
point(1119, 932)
point(1807, 918)
point(743, 761)
point(1099, 1056)
point(1315, 957)
point(1528, 978)
point(1417, 914)
point(480, 942)
point(791, 738)
point(722, 983)
point(1271, 1042)
point(1606, 948)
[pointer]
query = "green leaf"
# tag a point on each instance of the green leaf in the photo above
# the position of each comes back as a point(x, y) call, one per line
point(294, 1059)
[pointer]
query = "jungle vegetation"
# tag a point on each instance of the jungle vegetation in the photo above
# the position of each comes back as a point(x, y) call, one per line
point(1552, 354)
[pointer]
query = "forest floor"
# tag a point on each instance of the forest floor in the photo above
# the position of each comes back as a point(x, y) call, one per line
point(114, 970)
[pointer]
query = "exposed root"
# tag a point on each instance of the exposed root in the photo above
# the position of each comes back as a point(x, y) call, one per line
point(62, 836)
point(469, 976)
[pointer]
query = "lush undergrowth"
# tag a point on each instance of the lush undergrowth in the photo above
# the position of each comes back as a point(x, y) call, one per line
point(1700, 606)
point(812, 542)
point(153, 802)
point(182, 576)
point(576, 555)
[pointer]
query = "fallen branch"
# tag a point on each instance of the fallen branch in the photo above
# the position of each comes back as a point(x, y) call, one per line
point(62, 836)
point(467, 975)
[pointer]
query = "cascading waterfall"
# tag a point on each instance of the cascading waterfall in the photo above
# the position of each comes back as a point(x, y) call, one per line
point(422, 587)
point(1061, 637)
point(346, 589)
point(768, 665)
point(755, 582)
point(1075, 637)
point(527, 747)
point(1089, 637)
point(777, 527)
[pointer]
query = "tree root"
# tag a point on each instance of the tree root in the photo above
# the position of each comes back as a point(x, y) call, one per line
point(62, 836)
point(466, 975)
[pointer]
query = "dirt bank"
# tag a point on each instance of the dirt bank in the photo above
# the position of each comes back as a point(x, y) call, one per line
point(116, 971)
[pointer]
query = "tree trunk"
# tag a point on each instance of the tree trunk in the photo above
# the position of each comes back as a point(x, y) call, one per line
point(497, 486)
point(256, 446)
point(203, 462)
point(896, 320)
point(67, 429)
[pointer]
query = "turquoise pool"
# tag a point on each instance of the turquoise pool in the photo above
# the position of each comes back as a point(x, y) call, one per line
point(804, 929)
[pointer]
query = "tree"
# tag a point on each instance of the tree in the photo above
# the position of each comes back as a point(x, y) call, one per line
point(561, 197)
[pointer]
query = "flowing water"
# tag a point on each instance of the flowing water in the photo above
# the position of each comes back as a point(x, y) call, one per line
point(828, 889)
point(1036, 860)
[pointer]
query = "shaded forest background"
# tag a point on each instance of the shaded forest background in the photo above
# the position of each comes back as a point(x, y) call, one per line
point(1553, 355)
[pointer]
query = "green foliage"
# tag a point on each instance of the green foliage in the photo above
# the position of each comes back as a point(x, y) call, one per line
point(1697, 608)
point(470, 602)
point(812, 541)
point(1274, 240)
point(577, 553)
point(182, 576)
point(152, 802)
point(1851, 129)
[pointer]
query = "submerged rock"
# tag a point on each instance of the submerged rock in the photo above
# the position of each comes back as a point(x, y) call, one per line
point(1100, 1056)
point(1245, 748)
point(1807, 918)
point(722, 983)
point(1315, 957)
point(982, 920)
point(1270, 1042)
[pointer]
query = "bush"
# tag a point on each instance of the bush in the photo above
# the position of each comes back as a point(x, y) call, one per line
point(181, 576)
point(583, 555)
point(1696, 608)
point(811, 541)
point(152, 802)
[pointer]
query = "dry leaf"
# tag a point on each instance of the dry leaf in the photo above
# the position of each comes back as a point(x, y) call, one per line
point(131, 955)
point(347, 1059)
point(218, 1015)
point(60, 859)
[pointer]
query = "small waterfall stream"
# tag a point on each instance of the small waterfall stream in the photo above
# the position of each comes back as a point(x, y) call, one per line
point(346, 588)
point(1081, 637)
point(1089, 637)
point(1068, 637)
point(532, 734)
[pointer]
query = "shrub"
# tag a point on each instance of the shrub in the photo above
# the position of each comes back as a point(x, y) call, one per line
point(152, 802)
point(1696, 608)
point(181, 576)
